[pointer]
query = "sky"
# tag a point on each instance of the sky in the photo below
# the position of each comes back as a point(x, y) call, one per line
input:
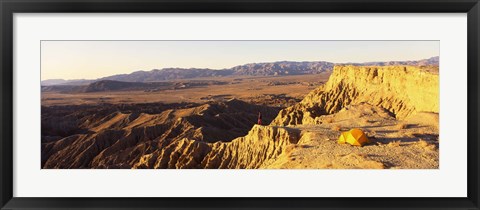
point(95, 59)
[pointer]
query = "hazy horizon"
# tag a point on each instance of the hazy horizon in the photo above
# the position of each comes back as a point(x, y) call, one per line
point(95, 59)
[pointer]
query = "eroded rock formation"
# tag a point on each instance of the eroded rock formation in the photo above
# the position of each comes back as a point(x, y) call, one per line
point(114, 138)
point(223, 134)
point(260, 144)
point(402, 90)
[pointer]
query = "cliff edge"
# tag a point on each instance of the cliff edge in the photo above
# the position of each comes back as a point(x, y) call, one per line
point(402, 90)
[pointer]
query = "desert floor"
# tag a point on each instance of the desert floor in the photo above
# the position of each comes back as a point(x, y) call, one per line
point(258, 90)
point(409, 143)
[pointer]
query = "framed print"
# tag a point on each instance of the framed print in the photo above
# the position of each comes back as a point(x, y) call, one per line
point(239, 105)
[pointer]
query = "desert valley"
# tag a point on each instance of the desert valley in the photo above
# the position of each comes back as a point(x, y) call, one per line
point(177, 118)
point(204, 118)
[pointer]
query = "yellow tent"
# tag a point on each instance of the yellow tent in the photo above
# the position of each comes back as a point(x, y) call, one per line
point(355, 137)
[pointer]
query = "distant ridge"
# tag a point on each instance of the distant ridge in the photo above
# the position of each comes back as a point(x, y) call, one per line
point(433, 61)
point(113, 85)
point(280, 68)
point(66, 82)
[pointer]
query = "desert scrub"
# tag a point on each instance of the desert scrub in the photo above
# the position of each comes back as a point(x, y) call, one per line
point(401, 126)
point(394, 144)
point(329, 120)
point(370, 134)
point(425, 145)
point(337, 128)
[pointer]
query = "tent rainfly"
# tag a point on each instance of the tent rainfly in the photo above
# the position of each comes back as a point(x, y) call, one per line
point(355, 137)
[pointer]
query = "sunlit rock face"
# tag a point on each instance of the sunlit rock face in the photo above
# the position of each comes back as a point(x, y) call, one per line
point(402, 90)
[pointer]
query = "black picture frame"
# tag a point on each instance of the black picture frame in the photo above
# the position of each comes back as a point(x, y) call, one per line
point(9, 7)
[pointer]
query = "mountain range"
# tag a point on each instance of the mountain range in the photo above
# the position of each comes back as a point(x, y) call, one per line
point(280, 68)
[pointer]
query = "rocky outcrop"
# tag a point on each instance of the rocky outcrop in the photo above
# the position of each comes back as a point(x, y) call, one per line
point(119, 139)
point(402, 90)
point(261, 144)
point(222, 134)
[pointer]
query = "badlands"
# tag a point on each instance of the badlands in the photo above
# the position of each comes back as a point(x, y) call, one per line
point(213, 125)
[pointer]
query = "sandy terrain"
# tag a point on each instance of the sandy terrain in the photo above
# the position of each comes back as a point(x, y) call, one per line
point(258, 90)
point(412, 143)
point(396, 106)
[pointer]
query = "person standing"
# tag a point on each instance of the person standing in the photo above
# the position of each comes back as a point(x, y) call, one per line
point(259, 118)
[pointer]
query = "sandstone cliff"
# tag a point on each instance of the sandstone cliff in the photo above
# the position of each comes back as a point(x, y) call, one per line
point(262, 143)
point(119, 139)
point(402, 90)
point(396, 106)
